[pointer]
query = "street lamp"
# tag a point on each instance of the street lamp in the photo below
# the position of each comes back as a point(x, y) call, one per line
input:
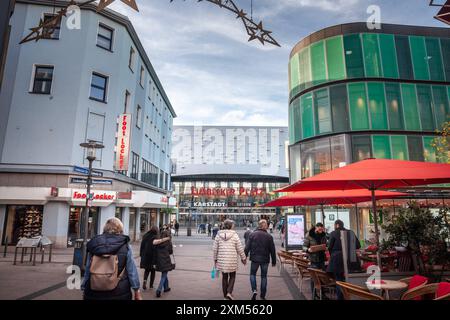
point(91, 147)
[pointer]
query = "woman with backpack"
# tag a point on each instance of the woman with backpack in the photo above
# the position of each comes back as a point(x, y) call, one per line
point(110, 250)
point(163, 261)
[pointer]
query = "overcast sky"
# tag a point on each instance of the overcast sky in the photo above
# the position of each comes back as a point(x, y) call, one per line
point(213, 76)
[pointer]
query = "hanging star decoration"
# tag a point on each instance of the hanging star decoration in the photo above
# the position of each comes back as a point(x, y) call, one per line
point(47, 27)
point(255, 31)
point(443, 14)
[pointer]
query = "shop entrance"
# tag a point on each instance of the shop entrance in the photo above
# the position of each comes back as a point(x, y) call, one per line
point(76, 224)
point(22, 221)
point(132, 225)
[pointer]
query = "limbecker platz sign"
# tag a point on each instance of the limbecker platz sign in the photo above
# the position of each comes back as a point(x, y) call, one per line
point(227, 192)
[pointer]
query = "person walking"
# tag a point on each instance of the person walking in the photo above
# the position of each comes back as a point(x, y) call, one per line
point(209, 229)
point(177, 227)
point(215, 231)
point(247, 234)
point(336, 264)
point(271, 227)
point(163, 261)
point(112, 242)
point(148, 256)
point(227, 249)
point(316, 237)
point(261, 248)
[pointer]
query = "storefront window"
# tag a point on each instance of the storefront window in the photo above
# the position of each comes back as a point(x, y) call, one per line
point(119, 213)
point(75, 229)
point(294, 163)
point(145, 218)
point(361, 147)
point(415, 148)
point(338, 152)
point(381, 147)
point(132, 224)
point(22, 221)
point(315, 157)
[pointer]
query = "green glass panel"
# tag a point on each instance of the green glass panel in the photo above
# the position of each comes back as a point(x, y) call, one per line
point(399, 147)
point(358, 106)
point(318, 66)
point(381, 147)
point(361, 147)
point(339, 108)
point(371, 55)
point(388, 57)
point(377, 106)
point(353, 56)
point(322, 111)
point(294, 75)
point(291, 124)
point(409, 98)
point(445, 47)
point(425, 101)
point(297, 121)
point(305, 69)
point(429, 153)
point(394, 106)
point(419, 58)
point(307, 116)
point(441, 105)
point(415, 148)
point(335, 58)
point(434, 59)
point(404, 57)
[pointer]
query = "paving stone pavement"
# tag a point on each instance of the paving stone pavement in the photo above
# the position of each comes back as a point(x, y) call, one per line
point(190, 281)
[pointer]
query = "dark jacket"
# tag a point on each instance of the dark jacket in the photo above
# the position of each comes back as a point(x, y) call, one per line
point(246, 235)
point(177, 226)
point(261, 247)
point(147, 251)
point(315, 239)
point(336, 264)
point(110, 244)
point(163, 252)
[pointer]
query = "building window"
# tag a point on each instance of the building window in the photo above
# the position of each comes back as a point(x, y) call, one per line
point(131, 59)
point(53, 31)
point(127, 101)
point(98, 87)
point(43, 77)
point(361, 146)
point(142, 76)
point(138, 116)
point(105, 37)
point(161, 179)
point(404, 59)
point(353, 56)
point(134, 166)
point(339, 108)
point(415, 148)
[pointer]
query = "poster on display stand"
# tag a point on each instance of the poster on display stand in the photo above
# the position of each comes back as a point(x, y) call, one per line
point(295, 231)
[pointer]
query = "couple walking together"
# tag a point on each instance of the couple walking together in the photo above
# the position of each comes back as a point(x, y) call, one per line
point(228, 249)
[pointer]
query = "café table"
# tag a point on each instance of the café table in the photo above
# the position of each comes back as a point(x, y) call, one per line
point(385, 286)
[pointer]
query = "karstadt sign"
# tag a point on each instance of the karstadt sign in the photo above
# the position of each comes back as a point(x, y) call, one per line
point(230, 150)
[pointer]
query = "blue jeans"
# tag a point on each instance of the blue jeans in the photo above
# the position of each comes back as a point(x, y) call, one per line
point(164, 282)
point(253, 270)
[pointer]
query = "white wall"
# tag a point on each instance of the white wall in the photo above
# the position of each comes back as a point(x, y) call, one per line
point(55, 222)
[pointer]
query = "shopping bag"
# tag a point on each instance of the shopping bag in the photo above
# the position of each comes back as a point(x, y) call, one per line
point(213, 273)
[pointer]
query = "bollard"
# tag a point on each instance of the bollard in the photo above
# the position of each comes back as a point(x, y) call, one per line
point(5, 247)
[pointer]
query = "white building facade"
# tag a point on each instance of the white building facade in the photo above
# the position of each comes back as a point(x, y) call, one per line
point(73, 88)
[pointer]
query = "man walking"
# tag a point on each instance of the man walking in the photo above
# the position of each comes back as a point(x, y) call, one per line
point(261, 248)
point(177, 228)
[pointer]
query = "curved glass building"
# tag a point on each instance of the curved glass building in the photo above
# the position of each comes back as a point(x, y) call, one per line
point(357, 93)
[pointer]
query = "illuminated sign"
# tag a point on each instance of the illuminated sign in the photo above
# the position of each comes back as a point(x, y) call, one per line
point(123, 143)
point(228, 192)
point(295, 230)
point(78, 195)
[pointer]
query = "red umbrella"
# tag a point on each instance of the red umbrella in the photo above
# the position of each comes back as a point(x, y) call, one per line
point(373, 174)
point(330, 197)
